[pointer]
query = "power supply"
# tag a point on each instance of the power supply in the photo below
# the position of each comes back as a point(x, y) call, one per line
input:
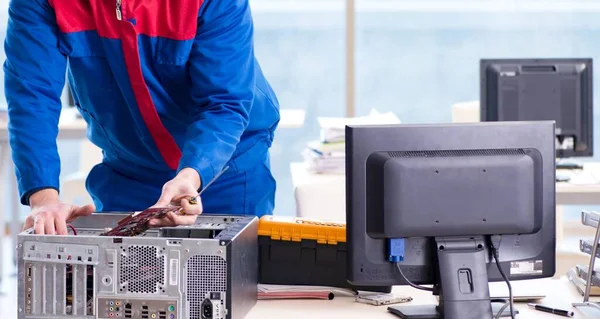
point(208, 270)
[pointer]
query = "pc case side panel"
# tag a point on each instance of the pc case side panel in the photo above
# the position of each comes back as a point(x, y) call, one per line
point(243, 273)
point(22, 284)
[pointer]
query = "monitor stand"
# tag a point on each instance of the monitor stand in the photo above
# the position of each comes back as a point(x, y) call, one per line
point(462, 282)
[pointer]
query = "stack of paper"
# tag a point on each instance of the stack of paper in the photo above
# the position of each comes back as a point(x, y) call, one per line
point(320, 160)
point(328, 155)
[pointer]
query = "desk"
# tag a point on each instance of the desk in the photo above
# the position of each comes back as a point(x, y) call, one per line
point(560, 294)
point(583, 189)
point(569, 194)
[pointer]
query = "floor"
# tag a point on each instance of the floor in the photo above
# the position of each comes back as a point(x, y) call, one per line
point(8, 287)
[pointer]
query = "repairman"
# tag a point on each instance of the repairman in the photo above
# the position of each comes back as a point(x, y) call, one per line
point(171, 91)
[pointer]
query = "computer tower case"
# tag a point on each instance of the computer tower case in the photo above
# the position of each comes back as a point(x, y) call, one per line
point(204, 271)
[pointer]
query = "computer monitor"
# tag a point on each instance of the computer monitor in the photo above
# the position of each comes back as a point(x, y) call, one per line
point(557, 90)
point(426, 204)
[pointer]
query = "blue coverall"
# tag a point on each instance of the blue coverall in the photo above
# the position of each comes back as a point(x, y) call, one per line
point(162, 84)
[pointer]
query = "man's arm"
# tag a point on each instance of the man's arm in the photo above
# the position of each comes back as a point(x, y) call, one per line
point(223, 81)
point(34, 75)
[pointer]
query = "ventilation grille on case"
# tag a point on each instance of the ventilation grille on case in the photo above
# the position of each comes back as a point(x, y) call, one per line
point(142, 270)
point(458, 153)
point(204, 274)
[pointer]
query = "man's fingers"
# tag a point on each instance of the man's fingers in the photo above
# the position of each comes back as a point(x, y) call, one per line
point(61, 227)
point(85, 210)
point(28, 223)
point(49, 228)
point(88, 209)
point(183, 196)
point(163, 222)
point(52, 219)
point(167, 195)
point(167, 220)
point(172, 219)
point(181, 219)
point(191, 209)
point(81, 211)
point(38, 225)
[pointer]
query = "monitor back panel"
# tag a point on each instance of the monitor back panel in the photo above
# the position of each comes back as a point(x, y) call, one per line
point(557, 90)
point(368, 263)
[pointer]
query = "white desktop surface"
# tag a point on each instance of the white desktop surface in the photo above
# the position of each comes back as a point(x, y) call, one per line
point(582, 189)
point(560, 294)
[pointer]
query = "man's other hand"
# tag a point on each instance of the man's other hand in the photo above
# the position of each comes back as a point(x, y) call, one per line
point(179, 191)
point(50, 216)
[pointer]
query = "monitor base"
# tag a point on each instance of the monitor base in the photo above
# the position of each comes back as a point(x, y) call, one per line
point(431, 312)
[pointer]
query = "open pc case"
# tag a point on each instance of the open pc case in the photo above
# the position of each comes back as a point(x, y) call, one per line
point(205, 271)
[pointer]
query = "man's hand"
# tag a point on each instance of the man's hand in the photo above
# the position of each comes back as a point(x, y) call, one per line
point(50, 216)
point(179, 191)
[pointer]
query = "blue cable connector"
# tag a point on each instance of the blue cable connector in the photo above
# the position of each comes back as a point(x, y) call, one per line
point(396, 249)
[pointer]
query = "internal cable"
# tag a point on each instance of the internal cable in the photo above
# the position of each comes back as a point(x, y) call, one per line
point(73, 229)
point(410, 282)
point(510, 294)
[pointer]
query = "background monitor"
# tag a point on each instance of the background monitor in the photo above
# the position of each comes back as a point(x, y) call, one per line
point(557, 90)
point(450, 185)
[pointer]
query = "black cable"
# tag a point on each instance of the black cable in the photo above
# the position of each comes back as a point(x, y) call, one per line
point(510, 294)
point(501, 311)
point(410, 282)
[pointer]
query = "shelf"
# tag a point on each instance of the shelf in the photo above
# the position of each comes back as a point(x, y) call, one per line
point(590, 219)
point(582, 272)
point(586, 245)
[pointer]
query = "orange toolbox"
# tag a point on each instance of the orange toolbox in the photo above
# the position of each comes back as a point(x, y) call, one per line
point(301, 251)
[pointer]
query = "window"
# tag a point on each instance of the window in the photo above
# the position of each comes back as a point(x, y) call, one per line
point(417, 58)
point(413, 57)
point(300, 46)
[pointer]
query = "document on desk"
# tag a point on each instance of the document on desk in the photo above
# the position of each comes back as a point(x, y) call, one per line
point(526, 290)
point(383, 299)
point(327, 155)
